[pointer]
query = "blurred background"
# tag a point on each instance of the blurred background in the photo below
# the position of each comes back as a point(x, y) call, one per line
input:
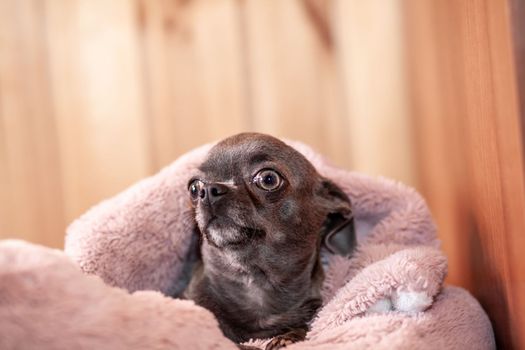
point(95, 95)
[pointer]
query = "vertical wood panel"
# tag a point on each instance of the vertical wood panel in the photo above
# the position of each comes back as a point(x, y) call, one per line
point(496, 76)
point(438, 103)
point(475, 151)
point(193, 73)
point(5, 185)
point(369, 34)
point(517, 11)
point(97, 96)
point(30, 184)
point(294, 81)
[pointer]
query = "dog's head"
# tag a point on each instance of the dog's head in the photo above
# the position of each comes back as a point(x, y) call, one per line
point(255, 189)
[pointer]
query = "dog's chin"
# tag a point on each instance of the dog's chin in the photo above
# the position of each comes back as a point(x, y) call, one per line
point(224, 233)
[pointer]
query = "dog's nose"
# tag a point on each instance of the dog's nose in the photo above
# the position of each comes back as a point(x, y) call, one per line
point(213, 191)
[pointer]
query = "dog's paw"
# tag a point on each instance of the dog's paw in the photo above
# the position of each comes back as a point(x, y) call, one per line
point(411, 302)
point(286, 339)
point(404, 301)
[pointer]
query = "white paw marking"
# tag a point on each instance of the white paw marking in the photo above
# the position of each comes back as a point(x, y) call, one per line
point(409, 302)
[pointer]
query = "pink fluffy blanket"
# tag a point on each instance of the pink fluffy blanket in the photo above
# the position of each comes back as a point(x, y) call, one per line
point(132, 248)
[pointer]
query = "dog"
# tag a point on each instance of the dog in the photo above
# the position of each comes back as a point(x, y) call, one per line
point(261, 212)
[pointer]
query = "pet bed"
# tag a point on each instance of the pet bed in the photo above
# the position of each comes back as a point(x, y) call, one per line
point(131, 250)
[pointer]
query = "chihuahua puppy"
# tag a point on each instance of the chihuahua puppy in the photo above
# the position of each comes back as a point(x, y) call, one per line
point(261, 212)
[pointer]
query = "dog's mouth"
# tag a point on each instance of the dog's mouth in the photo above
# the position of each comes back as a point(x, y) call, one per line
point(224, 232)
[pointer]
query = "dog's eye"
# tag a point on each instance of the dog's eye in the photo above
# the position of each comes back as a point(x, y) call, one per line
point(268, 180)
point(195, 188)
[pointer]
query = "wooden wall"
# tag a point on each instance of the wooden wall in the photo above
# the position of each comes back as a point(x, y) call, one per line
point(97, 94)
point(463, 59)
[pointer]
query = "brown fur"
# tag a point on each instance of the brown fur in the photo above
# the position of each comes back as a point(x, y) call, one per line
point(259, 270)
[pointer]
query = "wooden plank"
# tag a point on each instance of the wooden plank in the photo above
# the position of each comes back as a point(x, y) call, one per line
point(6, 215)
point(293, 73)
point(464, 76)
point(494, 96)
point(369, 36)
point(31, 182)
point(5, 183)
point(97, 95)
point(193, 69)
point(438, 108)
point(517, 11)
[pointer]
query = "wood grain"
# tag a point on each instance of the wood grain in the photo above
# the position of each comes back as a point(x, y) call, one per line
point(31, 180)
point(293, 74)
point(97, 97)
point(475, 151)
point(436, 76)
point(369, 35)
point(192, 64)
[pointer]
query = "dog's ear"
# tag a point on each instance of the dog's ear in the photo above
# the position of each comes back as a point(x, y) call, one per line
point(337, 232)
point(333, 199)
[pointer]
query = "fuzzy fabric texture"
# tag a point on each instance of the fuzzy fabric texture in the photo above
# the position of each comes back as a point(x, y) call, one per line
point(47, 303)
point(389, 294)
